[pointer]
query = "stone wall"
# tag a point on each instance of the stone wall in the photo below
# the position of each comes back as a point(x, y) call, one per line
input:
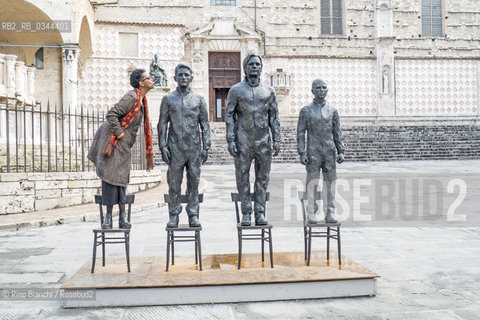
point(48, 81)
point(27, 192)
point(105, 77)
point(292, 28)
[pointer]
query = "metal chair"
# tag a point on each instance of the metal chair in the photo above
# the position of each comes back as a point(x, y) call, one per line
point(333, 231)
point(172, 238)
point(265, 234)
point(106, 236)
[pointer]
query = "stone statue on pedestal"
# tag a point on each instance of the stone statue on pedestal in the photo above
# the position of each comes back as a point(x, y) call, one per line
point(157, 73)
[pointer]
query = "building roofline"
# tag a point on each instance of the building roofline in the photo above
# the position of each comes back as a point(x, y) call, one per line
point(143, 23)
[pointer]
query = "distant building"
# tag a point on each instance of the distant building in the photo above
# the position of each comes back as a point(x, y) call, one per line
point(380, 57)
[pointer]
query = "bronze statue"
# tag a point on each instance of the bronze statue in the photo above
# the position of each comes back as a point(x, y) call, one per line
point(251, 114)
point(324, 141)
point(181, 114)
point(157, 73)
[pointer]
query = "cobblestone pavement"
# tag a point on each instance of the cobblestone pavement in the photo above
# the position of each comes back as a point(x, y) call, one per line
point(429, 263)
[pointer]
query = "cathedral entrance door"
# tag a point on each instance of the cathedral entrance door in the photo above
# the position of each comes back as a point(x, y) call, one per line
point(224, 71)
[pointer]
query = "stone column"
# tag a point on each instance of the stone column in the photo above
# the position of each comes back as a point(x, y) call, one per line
point(19, 78)
point(2, 74)
point(31, 83)
point(384, 40)
point(478, 88)
point(10, 83)
point(70, 54)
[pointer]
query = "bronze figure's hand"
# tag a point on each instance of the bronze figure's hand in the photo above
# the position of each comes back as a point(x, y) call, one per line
point(165, 155)
point(204, 155)
point(276, 147)
point(232, 148)
point(340, 158)
point(304, 159)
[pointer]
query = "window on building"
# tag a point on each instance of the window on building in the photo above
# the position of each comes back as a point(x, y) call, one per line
point(223, 2)
point(39, 59)
point(432, 17)
point(331, 16)
point(128, 46)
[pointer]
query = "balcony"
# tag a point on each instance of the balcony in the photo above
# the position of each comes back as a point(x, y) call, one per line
point(16, 79)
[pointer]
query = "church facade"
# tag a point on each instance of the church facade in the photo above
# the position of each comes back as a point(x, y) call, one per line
point(382, 59)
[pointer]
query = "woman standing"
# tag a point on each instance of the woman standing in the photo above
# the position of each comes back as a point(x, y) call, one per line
point(113, 141)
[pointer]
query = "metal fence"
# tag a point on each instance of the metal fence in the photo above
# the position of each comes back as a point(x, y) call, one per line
point(37, 138)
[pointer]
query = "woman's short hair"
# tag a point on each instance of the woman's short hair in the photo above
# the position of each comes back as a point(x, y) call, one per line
point(136, 77)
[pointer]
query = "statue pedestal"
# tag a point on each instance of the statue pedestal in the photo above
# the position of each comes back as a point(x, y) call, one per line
point(220, 282)
point(154, 98)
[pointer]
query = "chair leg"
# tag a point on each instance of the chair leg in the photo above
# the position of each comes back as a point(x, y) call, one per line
point(239, 248)
point(197, 235)
point(196, 249)
point(305, 241)
point(328, 243)
point(103, 249)
point(263, 245)
point(168, 250)
point(271, 246)
point(127, 248)
point(339, 246)
point(172, 242)
point(309, 245)
point(94, 255)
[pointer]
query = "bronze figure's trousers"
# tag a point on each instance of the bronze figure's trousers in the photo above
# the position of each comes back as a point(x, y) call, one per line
point(243, 162)
point(191, 162)
point(327, 165)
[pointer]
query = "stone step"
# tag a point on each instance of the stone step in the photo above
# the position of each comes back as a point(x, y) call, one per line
point(376, 142)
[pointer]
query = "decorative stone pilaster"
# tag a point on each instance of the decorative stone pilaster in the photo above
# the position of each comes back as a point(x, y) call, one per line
point(31, 82)
point(385, 58)
point(10, 70)
point(20, 74)
point(2, 75)
point(70, 53)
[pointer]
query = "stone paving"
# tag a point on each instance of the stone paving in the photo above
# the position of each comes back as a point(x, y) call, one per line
point(429, 267)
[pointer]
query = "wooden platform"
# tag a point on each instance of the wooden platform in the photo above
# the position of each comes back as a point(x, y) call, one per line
point(220, 281)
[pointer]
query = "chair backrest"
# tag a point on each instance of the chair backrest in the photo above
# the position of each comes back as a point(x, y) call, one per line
point(236, 200)
point(130, 199)
point(303, 199)
point(184, 199)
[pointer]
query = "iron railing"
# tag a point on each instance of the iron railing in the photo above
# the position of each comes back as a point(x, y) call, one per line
point(37, 138)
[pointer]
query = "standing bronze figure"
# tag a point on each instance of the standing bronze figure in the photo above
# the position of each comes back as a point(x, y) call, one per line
point(324, 142)
point(182, 113)
point(251, 114)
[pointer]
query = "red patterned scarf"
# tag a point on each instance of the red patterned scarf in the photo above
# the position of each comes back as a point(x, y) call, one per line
point(112, 141)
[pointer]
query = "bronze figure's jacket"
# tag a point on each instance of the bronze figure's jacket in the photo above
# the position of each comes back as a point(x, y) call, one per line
point(185, 113)
point(255, 110)
point(323, 127)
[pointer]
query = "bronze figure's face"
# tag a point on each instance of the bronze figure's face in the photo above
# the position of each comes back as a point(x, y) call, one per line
point(254, 67)
point(183, 77)
point(319, 89)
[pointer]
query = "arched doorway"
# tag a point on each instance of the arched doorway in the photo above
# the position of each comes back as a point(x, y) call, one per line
point(224, 71)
